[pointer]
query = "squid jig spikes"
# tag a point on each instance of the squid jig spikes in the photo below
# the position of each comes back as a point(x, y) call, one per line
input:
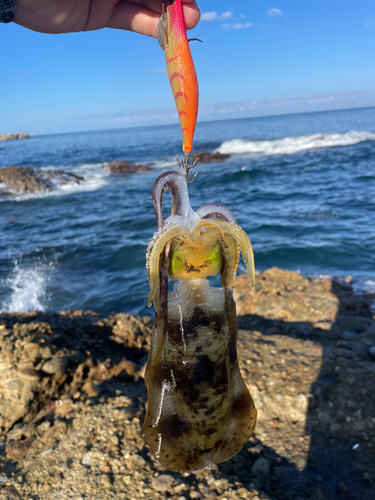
point(186, 164)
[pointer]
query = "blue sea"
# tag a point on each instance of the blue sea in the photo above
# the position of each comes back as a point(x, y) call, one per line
point(301, 186)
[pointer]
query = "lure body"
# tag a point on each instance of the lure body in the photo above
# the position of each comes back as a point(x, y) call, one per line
point(199, 409)
point(180, 69)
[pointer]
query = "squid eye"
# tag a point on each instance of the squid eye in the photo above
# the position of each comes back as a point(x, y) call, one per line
point(176, 261)
point(215, 257)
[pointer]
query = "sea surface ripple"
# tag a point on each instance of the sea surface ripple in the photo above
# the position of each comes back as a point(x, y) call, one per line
point(301, 186)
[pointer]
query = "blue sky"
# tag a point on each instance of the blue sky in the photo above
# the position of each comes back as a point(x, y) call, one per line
point(258, 58)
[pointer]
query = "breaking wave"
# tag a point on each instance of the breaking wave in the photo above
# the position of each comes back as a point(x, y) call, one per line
point(291, 145)
point(28, 289)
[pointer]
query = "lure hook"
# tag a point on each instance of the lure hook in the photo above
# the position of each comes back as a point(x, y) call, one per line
point(186, 164)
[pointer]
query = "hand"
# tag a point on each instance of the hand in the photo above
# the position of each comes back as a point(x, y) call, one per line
point(66, 16)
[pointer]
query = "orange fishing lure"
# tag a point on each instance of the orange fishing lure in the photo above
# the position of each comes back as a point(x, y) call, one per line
point(181, 73)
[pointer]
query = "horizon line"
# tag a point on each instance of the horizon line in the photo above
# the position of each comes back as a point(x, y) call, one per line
point(176, 123)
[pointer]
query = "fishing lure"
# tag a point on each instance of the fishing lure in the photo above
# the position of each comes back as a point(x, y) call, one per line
point(172, 38)
point(199, 409)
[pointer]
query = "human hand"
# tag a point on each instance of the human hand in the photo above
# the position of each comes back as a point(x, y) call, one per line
point(66, 16)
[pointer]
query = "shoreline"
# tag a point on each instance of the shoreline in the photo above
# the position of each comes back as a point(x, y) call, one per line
point(73, 400)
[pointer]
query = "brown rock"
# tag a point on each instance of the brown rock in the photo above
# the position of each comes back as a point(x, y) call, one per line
point(205, 157)
point(163, 482)
point(27, 180)
point(125, 168)
point(16, 449)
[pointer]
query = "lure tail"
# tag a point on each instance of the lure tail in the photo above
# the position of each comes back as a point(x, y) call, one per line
point(181, 72)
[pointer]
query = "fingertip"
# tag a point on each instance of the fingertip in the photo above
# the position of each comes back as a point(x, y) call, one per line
point(192, 13)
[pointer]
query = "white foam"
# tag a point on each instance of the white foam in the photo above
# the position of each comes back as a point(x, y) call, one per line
point(170, 163)
point(291, 145)
point(28, 289)
point(364, 287)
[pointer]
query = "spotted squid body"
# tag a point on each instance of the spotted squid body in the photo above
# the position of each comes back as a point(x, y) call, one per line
point(199, 409)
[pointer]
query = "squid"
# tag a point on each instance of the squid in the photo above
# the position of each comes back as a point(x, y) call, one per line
point(199, 409)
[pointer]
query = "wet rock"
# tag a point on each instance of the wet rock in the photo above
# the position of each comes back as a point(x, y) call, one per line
point(371, 351)
point(125, 168)
point(261, 467)
point(27, 180)
point(163, 482)
point(205, 157)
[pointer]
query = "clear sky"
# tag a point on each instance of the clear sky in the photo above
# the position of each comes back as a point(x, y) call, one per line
point(258, 58)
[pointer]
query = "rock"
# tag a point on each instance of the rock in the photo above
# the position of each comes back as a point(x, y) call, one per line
point(342, 488)
point(13, 137)
point(86, 458)
point(163, 482)
point(27, 180)
point(348, 334)
point(138, 460)
point(91, 390)
point(16, 449)
point(205, 157)
point(282, 472)
point(261, 467)
point(371, 351)
point(54, 365)
point(125, 168)
point(346, 353)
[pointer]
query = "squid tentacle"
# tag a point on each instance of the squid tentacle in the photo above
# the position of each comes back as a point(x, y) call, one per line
point(246, 249)
point(165, 181)
point(216, 211)
point(231, 260)
point(154, 251)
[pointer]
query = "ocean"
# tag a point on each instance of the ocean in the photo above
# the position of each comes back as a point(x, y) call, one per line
point(301, 186)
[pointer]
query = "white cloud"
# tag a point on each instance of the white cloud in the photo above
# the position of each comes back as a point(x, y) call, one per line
point(236, 26)
point(227, 15)
point(213, 16)
point(241, 26)
point(317, 100)
point(274, 12)
point(209, 16)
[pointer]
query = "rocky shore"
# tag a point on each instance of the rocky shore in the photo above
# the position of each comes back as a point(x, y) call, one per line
point(72, 401)
point(26, 180)
point(13, 137)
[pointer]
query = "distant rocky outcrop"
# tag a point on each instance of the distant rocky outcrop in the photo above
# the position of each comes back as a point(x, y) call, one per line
point(13, 137)
point(205, 157)
point(27, 180)
point(125, 168)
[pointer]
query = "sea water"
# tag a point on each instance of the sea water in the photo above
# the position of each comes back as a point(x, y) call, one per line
point(301, 186)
